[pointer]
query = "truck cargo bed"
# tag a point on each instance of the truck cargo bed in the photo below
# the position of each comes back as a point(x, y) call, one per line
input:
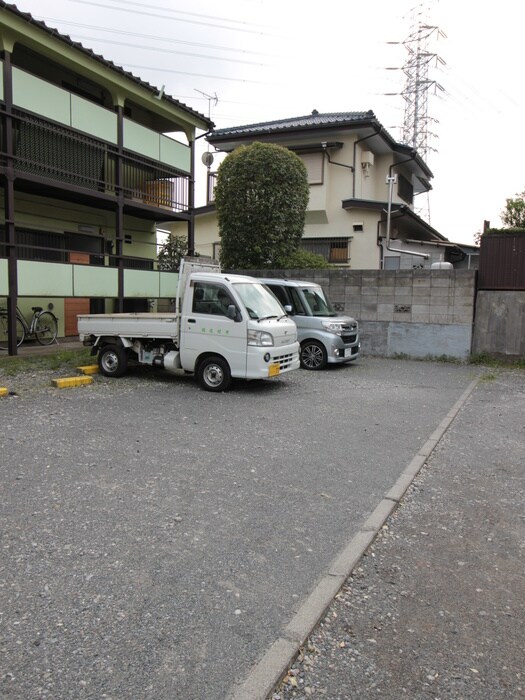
point(131, 325)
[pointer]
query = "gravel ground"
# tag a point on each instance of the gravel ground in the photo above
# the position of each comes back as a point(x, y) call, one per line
point(436, 607)
point(398, 628)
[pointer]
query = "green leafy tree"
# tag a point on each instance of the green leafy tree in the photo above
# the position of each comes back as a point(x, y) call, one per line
point(513, 216)
point(261, 197)
point(171, 251)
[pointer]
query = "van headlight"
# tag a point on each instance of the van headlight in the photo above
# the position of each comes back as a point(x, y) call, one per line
point(333, 327)
point(260, 338)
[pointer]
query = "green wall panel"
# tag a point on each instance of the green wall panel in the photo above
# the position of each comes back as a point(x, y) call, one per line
point(141, 283)
point(175, 153)
point(1, 80)
point(95, 281)
point(44, 279)
point(141, 140)
point(38, 279)
point(40, 97)
point(4, 280)
point(93, 119)
point(168, 284)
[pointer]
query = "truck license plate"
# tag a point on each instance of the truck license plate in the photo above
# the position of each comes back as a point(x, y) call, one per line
point(273, 370)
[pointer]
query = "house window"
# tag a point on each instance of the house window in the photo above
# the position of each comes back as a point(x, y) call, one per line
point(314, 163)
point(334, 250)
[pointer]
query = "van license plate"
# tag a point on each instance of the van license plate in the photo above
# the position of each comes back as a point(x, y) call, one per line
point(273, 370)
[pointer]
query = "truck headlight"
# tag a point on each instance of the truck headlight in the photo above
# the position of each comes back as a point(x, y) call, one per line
point(333, 327)
point(260, 338)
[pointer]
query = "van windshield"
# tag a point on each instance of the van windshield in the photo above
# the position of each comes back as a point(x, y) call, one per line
point(259, 301)
point(318, 302)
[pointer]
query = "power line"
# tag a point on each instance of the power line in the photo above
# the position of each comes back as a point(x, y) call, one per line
point(175, 19)
point(173, 51)
point(127, 3)
point(153, 37)
point(195, 75)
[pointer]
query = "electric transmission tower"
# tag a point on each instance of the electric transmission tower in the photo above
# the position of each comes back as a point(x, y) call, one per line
point(418, 85)
point(416, 131)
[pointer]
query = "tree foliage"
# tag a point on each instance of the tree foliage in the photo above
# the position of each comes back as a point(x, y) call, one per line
point(303, 260)
point(261, 197)
point(513, 216)
point(171, 251)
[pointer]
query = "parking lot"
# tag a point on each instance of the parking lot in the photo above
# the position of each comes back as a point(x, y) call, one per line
point(157, 538)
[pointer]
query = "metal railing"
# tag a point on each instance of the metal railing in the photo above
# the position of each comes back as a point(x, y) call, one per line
point(63, 155)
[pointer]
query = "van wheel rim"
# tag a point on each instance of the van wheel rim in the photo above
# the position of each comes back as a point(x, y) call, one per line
point(312, 356)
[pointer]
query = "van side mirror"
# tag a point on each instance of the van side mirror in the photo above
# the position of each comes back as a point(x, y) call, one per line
point(288, 309)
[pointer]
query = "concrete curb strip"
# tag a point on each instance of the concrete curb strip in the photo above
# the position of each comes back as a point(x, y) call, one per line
point(266, 674)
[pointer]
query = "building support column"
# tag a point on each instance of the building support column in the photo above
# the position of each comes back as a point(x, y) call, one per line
point(191, 203)
point(119, 217)
point(9, 204)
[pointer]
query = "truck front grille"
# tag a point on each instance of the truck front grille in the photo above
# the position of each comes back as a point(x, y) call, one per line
point(285, 361)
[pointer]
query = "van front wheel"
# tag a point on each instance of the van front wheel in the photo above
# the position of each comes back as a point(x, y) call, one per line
point(214, 374)
point(313, 355)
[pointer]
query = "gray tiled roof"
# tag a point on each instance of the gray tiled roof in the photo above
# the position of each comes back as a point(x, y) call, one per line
point(313, 120)
point(26, 16)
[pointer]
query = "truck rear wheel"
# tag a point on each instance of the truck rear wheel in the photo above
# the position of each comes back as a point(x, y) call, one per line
point(313, 355)
point(112, 361)
point(214, 374)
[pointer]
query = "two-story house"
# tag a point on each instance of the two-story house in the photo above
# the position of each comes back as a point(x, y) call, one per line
point(93, 160)
point(363, 192)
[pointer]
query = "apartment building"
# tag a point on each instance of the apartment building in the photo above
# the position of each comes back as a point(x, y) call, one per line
point(93, 161)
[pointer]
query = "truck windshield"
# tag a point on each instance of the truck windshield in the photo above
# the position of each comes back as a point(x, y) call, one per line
point(318, 302)
point(259, 302)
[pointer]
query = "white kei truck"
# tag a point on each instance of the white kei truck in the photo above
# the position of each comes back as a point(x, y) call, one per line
point(224, 326)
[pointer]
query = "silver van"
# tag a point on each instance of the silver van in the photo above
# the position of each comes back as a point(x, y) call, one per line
point(324, 335)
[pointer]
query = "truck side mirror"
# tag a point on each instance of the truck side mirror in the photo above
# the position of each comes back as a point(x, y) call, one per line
point(231, 312)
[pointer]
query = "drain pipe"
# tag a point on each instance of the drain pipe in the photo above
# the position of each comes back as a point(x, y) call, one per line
point(390, 180)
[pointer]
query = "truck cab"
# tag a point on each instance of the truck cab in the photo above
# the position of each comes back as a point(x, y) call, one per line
point(325, 336)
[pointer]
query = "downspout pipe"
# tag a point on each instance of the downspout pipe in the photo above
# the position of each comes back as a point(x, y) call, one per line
point(391, 178)
point(333, 162)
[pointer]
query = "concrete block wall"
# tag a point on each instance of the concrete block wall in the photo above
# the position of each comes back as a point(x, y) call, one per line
point(500, 324)
point(419, 313)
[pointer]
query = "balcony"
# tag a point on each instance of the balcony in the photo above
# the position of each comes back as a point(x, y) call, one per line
point(56, 156)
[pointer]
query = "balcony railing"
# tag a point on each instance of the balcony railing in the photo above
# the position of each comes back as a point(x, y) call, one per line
point(62, 155)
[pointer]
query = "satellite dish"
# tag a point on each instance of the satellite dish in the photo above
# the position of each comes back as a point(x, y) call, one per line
point(207, 158)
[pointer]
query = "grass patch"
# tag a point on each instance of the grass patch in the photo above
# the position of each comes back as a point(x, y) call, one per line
point(501, 362)
point(61, 359)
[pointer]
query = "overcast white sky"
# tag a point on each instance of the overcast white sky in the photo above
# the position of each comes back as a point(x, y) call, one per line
point(272, 59)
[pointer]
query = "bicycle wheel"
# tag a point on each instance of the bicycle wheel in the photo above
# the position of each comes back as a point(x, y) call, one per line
point(46, 328)
point(4, 332)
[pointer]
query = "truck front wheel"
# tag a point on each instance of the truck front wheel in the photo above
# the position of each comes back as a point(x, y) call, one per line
point(313, 355)
point(214, 374)
point(113, 361)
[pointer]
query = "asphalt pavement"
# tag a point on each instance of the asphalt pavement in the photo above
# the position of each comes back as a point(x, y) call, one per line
point(166, 543)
